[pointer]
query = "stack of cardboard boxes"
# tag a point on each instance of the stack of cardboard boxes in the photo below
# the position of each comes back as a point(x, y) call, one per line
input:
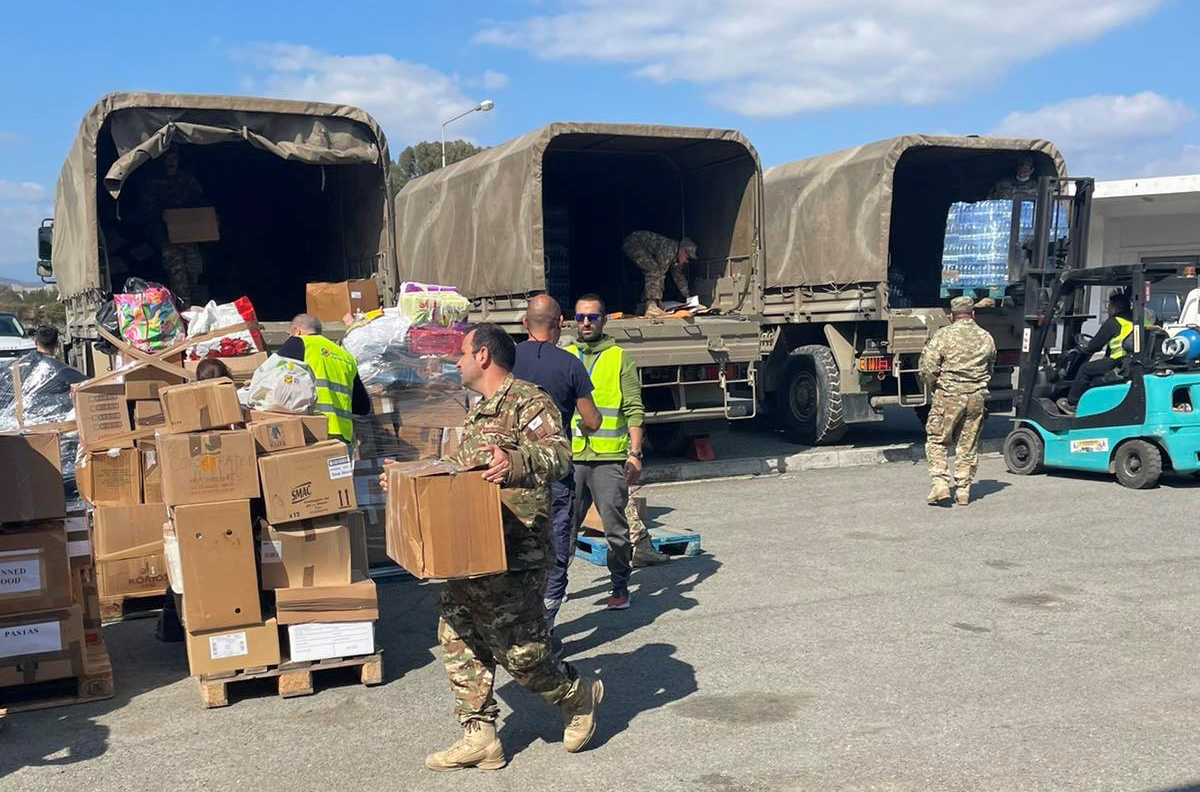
point(291, 535)
point(49, 609)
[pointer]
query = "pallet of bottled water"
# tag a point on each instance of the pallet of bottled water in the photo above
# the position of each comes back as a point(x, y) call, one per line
point(978, 240)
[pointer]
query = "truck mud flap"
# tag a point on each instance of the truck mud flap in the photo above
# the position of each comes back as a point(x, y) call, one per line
point(856, 408)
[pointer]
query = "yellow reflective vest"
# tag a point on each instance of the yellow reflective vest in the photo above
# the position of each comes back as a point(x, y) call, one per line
point(334, 370)
point(613, 435)
point(1116, 348)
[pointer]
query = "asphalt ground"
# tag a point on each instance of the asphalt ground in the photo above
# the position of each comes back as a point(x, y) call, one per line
point(836, 634)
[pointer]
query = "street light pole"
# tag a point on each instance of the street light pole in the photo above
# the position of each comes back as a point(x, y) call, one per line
point(484, 106)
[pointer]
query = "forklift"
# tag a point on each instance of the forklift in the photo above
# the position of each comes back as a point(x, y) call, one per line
point(1144, 417)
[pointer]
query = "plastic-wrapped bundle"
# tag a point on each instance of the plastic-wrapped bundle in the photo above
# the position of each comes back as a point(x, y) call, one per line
point(45, 385)
point(281, 385)
point(393, 353)
point(425, 303)
point(976, 249)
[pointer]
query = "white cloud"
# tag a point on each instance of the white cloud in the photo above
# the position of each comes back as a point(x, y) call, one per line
point(25, 190)
point(1114, 136)
point(494, 81)
point(410, 100)
point(784, 57)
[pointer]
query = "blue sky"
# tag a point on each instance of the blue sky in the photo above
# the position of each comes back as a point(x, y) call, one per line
point(1111, 81)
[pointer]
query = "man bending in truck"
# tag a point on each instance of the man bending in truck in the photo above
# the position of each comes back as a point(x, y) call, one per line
point(655, 255)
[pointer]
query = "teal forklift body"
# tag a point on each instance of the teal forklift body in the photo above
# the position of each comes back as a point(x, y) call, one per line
point(1172, 423)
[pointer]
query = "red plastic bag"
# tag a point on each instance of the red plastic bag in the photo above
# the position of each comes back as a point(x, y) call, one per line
point(246, 309)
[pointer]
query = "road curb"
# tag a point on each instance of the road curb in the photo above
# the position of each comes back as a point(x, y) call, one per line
point(808, 459)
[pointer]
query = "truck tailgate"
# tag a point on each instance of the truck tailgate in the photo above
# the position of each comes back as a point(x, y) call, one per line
point(681, 342)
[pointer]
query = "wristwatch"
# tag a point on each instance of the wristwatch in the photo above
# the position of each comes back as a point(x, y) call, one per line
point(635, 454)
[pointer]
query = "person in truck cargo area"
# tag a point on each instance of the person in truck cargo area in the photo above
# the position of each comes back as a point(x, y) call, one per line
point(655, 255)
point(957, 364)
point(566, 381)
point(609, 460)
point(340, 393)
point(515, 430)
point(173, 188)
point(1021, 185)
point(1110, 338)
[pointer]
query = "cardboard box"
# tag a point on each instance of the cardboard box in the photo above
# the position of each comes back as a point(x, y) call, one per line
point(592, 518)
point(433, 408)
point(151, 472)
point(279, 433)
point(31, 483)
point(102, 415)
point(129, 550)
point(144, 384)
point(216, 553)
point(35, 568)
point(353, 602)
point(111, 478)
point(79, 541)
point(328, 640)
point(306, 553)
point(148, 413)
point(207, 467)
point(241, 369)
point(39, 647)
point(330, 302)
point(442, 522)
point(307, 482)
point(195, 224)
point(196, 406)
point(316, 427)
point(215, 651)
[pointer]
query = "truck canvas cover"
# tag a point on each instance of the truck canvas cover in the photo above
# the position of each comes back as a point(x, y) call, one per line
point(142, 126)
point(828, 218)
point(479, 223)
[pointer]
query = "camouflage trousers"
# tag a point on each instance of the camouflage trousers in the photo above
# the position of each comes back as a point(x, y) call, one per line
point(954, 420)
point(498, 619)
point(184, 265)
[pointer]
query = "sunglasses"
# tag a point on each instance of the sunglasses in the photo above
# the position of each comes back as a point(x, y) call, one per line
point(591, 317)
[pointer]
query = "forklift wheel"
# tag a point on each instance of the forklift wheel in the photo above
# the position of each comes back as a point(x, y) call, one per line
point(1138, 464)
point(1024, 452)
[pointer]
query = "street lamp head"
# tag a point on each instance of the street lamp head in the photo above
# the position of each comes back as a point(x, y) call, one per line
point(486, 104)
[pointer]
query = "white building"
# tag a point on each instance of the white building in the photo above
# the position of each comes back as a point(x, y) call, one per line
point(1150, 220)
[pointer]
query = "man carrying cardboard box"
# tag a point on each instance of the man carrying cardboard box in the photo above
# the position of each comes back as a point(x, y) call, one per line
point(516, 431)
point(340, 393)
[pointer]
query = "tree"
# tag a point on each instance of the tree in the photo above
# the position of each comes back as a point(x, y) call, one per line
point(34, 307)
point(426, 157)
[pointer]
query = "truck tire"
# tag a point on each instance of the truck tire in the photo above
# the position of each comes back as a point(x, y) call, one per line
point(1138, 464)
point(1024, 452)
point(809, 401)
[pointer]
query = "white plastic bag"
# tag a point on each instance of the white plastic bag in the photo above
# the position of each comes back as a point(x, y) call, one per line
point(282, 385)
point(213, 317)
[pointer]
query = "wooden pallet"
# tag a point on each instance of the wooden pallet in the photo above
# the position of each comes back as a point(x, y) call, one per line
point(294, 679)
point(592, 546)
point(120, 608)
point(96, 684)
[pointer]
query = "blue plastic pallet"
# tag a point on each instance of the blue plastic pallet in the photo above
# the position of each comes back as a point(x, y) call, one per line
point(996, 292)
point(669, 541)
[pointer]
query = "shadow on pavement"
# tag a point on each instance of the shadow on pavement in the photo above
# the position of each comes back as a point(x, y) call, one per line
point(71, 733)
point(985, 487)
point(407, 628)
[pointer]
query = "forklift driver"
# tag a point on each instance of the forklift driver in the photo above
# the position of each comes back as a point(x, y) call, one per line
point(1110, 336)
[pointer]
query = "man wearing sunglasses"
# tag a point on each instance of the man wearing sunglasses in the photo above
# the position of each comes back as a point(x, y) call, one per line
point(609, 460)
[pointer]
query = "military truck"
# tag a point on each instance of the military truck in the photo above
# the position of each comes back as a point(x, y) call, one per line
point(837, 345)
point(548, 212)
point(299, 188)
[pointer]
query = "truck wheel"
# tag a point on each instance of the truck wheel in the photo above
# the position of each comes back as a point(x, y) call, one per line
point(1024, 452)
point(1138, 464)
point(667, 440)
point(810, 399)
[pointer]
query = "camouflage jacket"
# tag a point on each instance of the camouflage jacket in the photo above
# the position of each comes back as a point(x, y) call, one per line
point(657, 254)
point(167, 192)
point(959, 358)
point(523, 420)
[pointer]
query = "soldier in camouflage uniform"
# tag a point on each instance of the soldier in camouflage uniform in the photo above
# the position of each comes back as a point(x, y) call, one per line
point(1020, 187)
point(175, 189)
point(957, 364)
point(516, 432)
point(655, 255)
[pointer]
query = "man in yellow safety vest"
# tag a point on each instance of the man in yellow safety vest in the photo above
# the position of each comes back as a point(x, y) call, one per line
point(340, 393)
point(609, 460)
point(1111, 338)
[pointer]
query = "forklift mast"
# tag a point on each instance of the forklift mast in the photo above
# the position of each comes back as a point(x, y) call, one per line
point(1053, 252)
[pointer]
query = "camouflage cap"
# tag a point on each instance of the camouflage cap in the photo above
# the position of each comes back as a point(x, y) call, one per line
point(689, 247)
point(962, 304)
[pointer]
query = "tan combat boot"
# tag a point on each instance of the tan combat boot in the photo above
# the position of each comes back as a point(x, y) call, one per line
point(579, 713)
point(644, 554)
point(478, 747)
point(962, 496)
point(940, 492)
